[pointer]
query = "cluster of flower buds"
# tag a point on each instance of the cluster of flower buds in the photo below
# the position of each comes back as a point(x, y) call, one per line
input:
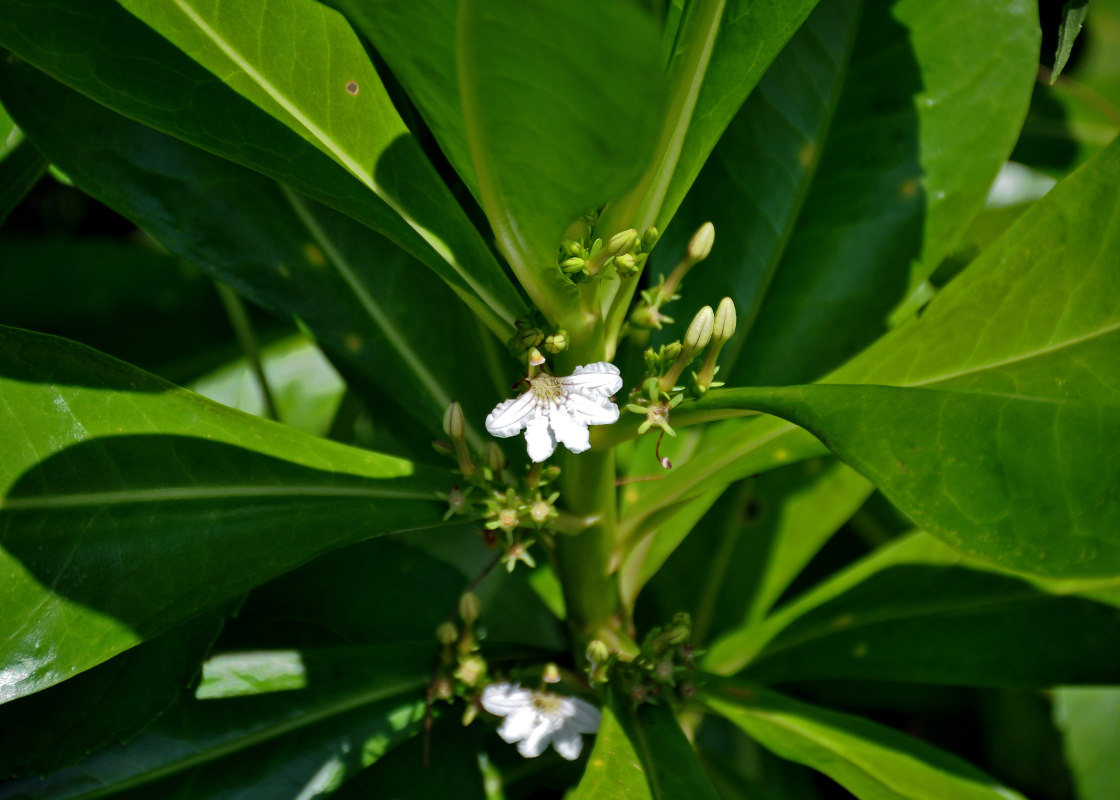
point(513, 520)
point(532, 335)
point(648, 314)
point(663, 669)
point(660, 391)
point(461, 671)
point(626, 251)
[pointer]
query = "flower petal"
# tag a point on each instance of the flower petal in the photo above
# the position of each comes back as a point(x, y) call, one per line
point(522, 724)
point(501, 699)
point(538, 438)
point(535, 743)
point(592, 410)
point(600, 378)
point(567, 743)
point(509, 417)
point(568, 431)
point(585, 719)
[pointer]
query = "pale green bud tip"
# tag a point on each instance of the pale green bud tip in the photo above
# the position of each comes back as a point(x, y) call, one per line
point(495, 458)
point(649, 239)
point(597, 653)
point(623, 242)
point(469, 607)
point(447, 633)
point(724, 327)
point(551, 673)
point(699, 331)
point(535, 357)
point(701, 244)
point(453, 423)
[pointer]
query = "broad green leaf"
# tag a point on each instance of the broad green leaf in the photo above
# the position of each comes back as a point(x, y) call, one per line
point(1073, 17)
point(849, 174)
point(354, 290)
point(1087, 717)
point(99, 49)
point(991, 419)
point(916, 612)
point(21, 167)
point(585, 80)
point(353, 705)
point(741, 769)
point(131, 505)
point(749, 547)
point(869, 760)
point(641, 753)
point(108, 704)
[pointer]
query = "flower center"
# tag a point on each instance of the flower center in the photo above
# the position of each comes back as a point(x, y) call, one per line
point(546, 703)
point(547, 387)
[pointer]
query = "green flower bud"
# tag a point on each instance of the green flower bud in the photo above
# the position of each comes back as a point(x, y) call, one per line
point(699, 331)
point(649, 239)
point(597, 653)
point(453, 424)
point(524, 339)
point(556, 342)
point(573, 264)
point(472, 670)
point(551, 673)
point(572, 247)
point(623, 242)
point(701, 243)
point(469, 607)
point(724, 327)
point(494, 458)
point(447, 633)
point(626, 264)
point(670, 351)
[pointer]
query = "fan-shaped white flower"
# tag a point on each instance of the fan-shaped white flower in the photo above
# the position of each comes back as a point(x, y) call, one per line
point(534, 719)
point(559, 409)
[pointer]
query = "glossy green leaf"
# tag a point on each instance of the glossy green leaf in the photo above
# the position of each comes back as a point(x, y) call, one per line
point(745, 552)
point(1087, 717)
point(642, 754)
point(108, 704)
point(347, 708)
point(587, 106)
point(863, 155)
point(869, 760)
point(99, 49)
point(131, 505)
point(916, 612)
point(359, 294)
point(21, 167)
point(991, 419)
point(1073, 17)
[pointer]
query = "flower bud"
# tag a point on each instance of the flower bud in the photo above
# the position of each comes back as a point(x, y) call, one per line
point(623, 242)
point(447, 633)
point(524, 339)
point(472, 670)
point(469, 714)
point(453, 424)
point(572, 247)
point(551, 673)
point(469, 607)
point(597, 653)
point(535, 357)
point(701, 243)
point(494, 458)
point(556, 342)
point(649, 239)
point(699, 332)
point(724, 327)
point(626, 264)
point(573, 264)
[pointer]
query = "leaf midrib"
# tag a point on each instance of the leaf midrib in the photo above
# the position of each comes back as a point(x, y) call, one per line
point(179, 493)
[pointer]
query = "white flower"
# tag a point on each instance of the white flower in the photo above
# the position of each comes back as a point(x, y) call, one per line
point(533, 719)
point(559, 409)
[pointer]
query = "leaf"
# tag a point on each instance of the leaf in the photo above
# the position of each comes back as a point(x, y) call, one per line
point(869, 760)
point(99, 49)
point(21, 167)
point(991, 419)
point(840, 228)
point(131, 505)
point(110, 703)
point(641, 754)
point(1073, 17)
point(358, 293)
point(1087, 716)
point(354, 705)
point(915, 611)
point(585, 79)
point(737, 562)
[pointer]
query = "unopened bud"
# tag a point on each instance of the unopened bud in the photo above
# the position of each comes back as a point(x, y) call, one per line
point(724, 327)
point(649, 239)
point(535, 357)
point(551, 673)
point(494, 457)
point(623, 242)
point(573, 264)
point(472, 670)
point(447, 633)
point(469, 713)
point(469, 607)
point(453, 424)
point(597, 653)
point(699, 332)
point(572, 247)
point(626, 264)
point(701, 243)
point(556, 342)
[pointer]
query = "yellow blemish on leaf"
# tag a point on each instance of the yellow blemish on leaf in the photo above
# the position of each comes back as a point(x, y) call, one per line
point(353, 342)
point(807, 154)
point(909, 188)
point(314, 255)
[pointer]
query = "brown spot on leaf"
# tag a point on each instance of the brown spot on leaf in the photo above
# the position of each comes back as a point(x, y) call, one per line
point(352, 87)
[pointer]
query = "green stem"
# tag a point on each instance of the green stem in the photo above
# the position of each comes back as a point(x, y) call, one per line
point(247, 339)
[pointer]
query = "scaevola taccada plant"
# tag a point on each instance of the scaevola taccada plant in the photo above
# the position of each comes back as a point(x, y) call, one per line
point(622, 385)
